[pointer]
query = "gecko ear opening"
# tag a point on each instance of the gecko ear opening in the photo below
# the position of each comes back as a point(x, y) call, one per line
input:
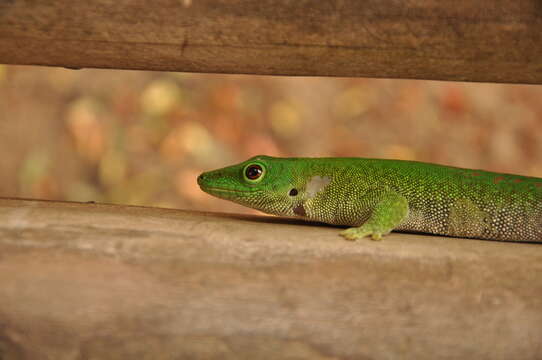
point(293, 192)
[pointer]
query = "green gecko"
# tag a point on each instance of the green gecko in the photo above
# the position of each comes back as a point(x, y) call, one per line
point(376, 196)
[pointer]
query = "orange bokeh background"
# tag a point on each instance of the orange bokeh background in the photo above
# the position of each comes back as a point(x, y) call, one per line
point(142, 138)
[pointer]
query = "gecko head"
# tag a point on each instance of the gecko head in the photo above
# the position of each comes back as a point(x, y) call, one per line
point(261, 182)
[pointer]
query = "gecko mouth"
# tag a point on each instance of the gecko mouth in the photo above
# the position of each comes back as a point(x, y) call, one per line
point(215, 189)
point(225, 191)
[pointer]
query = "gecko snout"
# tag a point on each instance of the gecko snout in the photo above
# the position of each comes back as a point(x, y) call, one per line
point(201, 179)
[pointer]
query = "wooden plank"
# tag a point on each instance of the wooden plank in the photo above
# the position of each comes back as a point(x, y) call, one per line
point(87, 281)
point(483, 40)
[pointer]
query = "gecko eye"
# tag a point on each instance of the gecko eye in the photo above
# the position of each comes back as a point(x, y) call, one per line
point(293, 192)
point(253, 172)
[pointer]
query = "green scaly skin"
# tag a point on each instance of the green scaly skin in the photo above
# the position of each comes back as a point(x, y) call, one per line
point(377, 196)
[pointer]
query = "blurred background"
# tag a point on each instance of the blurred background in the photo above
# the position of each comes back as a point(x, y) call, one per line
point(142, 138)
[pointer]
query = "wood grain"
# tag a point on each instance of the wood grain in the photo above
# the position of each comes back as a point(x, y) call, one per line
point(483, 40)
point(88, 281)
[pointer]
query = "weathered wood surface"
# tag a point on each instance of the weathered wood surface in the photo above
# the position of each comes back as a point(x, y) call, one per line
point(86, 281)
point(483, 40)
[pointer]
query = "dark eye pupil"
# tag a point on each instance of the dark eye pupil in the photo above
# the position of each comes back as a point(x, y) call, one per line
point(253, 172)
point(293, 192)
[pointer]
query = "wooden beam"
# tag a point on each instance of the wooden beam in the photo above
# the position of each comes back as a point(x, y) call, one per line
point(109, 282)
point(483, 40)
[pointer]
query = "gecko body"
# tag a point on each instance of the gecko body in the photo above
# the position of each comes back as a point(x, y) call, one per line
point(376, 196)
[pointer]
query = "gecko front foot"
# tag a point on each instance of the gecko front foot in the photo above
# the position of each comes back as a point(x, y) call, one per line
point(356, 233)
point(390, 210)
